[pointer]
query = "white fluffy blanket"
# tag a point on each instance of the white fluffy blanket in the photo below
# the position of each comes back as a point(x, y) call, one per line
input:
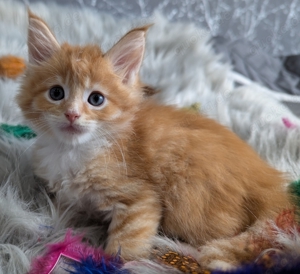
point(180, 62)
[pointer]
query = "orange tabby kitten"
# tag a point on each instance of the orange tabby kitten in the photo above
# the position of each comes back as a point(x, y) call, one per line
point(147, 166)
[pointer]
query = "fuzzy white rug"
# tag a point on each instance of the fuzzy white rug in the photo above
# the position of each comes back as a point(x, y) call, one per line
point(180, 62)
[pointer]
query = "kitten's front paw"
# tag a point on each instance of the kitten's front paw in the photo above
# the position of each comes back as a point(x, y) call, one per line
point(112, 249)
point(127, 252)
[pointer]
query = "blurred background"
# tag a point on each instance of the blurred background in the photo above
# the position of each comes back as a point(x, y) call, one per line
point(272, 25)
point(259, 38)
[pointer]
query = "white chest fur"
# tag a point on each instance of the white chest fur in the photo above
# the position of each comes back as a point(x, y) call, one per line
point(59, 164)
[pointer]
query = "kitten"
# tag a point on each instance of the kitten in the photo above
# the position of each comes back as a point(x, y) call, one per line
point(148, 167)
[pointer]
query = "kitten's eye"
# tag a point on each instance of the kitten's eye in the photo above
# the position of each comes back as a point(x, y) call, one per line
point(57, 93)
point(96, 99)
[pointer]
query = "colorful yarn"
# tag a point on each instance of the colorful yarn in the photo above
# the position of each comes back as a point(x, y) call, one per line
point(295, 190)
point(18, 131)
point(11, 66)
point(185, 264)
point(90, 265)
point(76, 257)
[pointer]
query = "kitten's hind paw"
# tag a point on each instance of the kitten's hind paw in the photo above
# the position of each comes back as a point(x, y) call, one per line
point(214, 258)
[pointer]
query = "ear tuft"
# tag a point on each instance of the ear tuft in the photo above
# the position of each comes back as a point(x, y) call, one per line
point(126, 55)
point(41, 41)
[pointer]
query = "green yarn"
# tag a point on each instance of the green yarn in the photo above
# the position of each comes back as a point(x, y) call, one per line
point(18, 131)
point(295, 190)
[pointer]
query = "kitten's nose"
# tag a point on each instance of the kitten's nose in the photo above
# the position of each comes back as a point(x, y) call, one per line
point(72, 116)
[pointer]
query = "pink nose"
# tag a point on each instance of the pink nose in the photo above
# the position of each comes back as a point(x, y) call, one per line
point(71, 116)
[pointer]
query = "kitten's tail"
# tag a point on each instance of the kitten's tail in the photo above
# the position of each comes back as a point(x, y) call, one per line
point(247, 247)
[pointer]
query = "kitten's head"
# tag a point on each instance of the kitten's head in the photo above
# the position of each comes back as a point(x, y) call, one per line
point(76, 94)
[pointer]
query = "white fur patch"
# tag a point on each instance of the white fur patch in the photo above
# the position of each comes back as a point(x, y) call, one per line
point(59, 163)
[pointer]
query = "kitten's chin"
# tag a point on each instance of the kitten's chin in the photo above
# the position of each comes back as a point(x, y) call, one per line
point(73, 136)
point(72, 130)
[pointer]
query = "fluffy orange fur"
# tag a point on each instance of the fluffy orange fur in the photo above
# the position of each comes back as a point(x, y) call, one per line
point(149, 167)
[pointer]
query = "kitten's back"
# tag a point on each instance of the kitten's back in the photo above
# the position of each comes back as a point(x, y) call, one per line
point(204, 170)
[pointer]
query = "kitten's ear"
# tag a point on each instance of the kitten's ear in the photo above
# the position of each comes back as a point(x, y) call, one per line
point(41, 41)
point(126, 55)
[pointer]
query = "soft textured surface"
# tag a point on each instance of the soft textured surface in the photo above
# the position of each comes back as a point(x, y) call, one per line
point(185, 70)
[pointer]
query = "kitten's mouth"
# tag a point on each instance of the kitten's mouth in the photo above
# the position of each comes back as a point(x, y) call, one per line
point(72, 129)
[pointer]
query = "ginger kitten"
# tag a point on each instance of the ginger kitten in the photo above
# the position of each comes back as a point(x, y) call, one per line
point(147, 166)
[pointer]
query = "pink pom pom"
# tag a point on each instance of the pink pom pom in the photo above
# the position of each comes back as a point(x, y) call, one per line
point(71, 249)
point(288, 123)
